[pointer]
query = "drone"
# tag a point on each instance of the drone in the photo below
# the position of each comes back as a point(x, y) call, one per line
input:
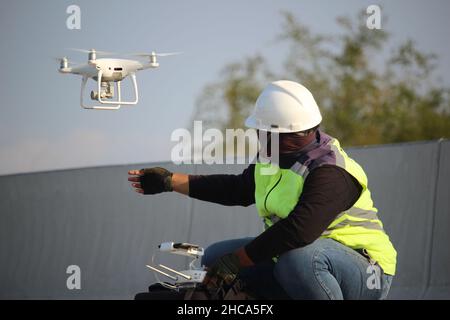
point(109, 73)
point(189, 278)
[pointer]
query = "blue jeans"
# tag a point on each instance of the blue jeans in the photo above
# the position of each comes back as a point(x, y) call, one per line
point(325, 269)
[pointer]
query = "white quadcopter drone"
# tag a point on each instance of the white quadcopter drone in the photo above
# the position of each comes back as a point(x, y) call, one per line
point(182, 279)
point(109, 74)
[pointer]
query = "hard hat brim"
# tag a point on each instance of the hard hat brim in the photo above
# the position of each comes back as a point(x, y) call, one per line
point(251, 122)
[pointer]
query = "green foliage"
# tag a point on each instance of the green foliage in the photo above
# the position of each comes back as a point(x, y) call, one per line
point(363, 99)
point(227, 103)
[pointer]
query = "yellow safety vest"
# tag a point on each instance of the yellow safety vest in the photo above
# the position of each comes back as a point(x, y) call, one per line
point(359, 227)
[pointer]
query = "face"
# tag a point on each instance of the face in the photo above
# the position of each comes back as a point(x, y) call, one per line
point(287, 142)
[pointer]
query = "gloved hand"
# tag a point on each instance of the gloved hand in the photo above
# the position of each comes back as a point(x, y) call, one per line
point(223, 272)
point(152, 180)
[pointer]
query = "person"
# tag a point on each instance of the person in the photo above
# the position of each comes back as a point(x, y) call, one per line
point(323, 238)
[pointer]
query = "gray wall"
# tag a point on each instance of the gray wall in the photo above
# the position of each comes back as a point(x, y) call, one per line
point(91, 218)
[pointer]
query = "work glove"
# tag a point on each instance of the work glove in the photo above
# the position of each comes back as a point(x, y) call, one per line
point(156, 180)
point(223, 272)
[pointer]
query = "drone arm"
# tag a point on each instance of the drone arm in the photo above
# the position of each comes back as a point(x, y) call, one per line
point(149, 66)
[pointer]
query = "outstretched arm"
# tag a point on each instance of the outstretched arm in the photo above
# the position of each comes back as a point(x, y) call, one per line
point(225, 189)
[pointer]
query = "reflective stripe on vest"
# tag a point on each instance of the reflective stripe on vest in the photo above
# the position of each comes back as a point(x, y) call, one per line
point(365, 224)
point(359, 227)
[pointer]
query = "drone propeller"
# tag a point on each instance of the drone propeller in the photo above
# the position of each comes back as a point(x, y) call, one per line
point(165, 54)
point(92, 50)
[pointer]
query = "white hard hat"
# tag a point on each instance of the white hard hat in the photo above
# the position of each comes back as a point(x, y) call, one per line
point(284, 106)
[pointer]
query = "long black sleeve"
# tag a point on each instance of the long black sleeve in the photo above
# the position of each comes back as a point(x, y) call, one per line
point(327, 191)
point(225, 189)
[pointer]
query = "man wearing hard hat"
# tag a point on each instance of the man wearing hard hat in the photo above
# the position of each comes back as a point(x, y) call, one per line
point(323, 237)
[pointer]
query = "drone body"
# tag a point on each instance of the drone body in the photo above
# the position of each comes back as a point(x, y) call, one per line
point(109, 73)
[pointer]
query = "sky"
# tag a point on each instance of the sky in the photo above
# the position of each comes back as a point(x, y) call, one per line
point(43, 127)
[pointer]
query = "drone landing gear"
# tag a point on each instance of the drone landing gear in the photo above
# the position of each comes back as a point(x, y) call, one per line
point(105, 90)
point(182, 279)
point(188, 284)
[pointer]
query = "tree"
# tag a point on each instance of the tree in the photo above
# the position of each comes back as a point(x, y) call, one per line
point(363, 100)
point(226, 103)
